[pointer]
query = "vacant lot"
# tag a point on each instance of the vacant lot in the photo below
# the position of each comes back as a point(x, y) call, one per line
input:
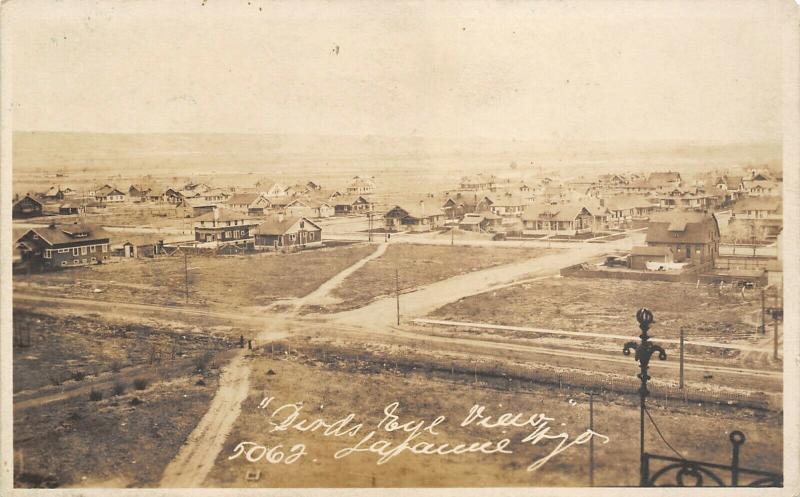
point(66, 351)
point(419, 265)
point(119, 441)
point(252, 280)
point(333, 386)
point(609, 306)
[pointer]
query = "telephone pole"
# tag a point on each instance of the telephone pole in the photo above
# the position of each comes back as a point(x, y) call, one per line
point(591, 440)
point(680, 384)
point(397, 292)
point(186, 275)
point(763, 312)
point(775, 335)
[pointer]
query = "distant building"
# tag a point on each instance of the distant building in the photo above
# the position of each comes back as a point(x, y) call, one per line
point(414, 218)
point(626, 208)
point(478, 182)
point(224, 227)
point(27, 206)
point(303, 207)
point(254, 204)
point(758, 217)
point(68, 208)
point(351, 204)
point(108, 194)
point(63, 246)
point(361, 186)
point(666, 180)
point(557, 219)
point(693, 236)
point(287, 232)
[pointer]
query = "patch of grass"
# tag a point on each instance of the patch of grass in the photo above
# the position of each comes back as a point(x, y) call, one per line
point(140, 383)
point(95, 395)
point(118, 388)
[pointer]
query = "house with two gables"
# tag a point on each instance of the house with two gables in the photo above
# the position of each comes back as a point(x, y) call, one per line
point(63, 246)
point(282, 232)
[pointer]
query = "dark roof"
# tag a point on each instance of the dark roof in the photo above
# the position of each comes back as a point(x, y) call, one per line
point(553, 212)
point(69, 233)
point(242, 198)
point(682, 227)
point(223, 215)
point(280, 225)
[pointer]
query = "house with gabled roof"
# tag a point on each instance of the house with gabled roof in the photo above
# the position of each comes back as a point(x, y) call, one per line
point(626, 208)
point(109, 194)
point(62, 246)
point(693, 236)
point(668, 180)
point(309, 207)
point(413, 216)
point(361, 185)
point(282, 232)
point(224, 227)
point(249, 203)
point(557, 219)
point(27, 206)
point(344, 205)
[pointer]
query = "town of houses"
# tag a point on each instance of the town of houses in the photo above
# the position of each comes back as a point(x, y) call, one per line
point(685, 218)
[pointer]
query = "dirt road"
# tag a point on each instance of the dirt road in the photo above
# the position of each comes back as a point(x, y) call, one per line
point(321, 296)
point(381, 312)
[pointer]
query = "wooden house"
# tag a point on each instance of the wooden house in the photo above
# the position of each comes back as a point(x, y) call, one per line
point(693, 236)
point(62, 246)
point(287, 233)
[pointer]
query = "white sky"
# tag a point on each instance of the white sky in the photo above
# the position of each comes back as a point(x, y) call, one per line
point(524, 70)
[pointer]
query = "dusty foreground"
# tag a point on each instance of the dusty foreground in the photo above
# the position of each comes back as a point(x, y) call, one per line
point(288, 387)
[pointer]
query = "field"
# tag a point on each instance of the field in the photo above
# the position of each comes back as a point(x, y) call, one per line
point(334, 385)
point(99, 403)
point(253, 280)
point(419, 265)
point(608, 306)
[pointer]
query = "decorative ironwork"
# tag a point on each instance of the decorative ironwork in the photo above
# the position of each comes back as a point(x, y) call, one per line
point(688, 473)
point(644, 351)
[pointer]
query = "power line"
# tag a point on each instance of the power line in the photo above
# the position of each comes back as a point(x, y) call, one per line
point(662, 436)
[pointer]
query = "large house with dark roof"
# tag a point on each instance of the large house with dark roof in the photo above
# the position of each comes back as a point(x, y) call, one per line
point(27, 206)
point(287, 232)
point(63, 246)
point(693, 236)
point(224, 227)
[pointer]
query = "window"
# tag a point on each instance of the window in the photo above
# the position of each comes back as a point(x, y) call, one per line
point(63, 251)
point(48, 253)
point(244, 232)
point(92, 248)
point(75, 261)
point(83, 250)
point(76, 251)
point(63, 263)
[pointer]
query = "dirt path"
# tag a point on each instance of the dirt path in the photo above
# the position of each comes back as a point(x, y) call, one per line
point(321, 296)
point(382, 312)
point(197, 455)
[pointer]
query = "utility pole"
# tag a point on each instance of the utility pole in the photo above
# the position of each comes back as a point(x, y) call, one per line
point(591, 439)
point(680, 383)
point(397, 292)
point(452, 236)
point(186, 275)
point(763, 311)
point(775, 335)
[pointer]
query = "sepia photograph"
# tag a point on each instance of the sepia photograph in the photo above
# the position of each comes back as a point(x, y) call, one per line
point(399, 246)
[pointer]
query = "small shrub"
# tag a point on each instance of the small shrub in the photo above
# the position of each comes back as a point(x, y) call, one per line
point(116, 366)
point(95, 395)
point(140, 383)
point(202, 361)
point(118, 388)
point(78, 375)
